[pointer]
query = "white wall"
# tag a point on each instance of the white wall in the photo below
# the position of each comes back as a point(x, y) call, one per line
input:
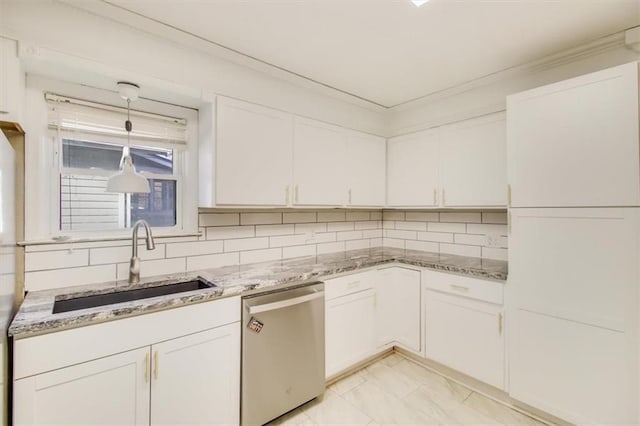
point(63, 42)
point(487, 95)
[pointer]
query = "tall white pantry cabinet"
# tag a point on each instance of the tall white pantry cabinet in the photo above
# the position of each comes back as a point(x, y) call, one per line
point(574, 247)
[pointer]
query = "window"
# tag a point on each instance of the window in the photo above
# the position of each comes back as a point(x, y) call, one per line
point(90, 146)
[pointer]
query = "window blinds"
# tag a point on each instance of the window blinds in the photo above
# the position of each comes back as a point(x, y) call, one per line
point(88, 119)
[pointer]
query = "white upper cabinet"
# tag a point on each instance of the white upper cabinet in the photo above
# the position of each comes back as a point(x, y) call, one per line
point(318, 164)
point(412, 170)
point(365, 170)
point(473, 163)
point(11, 82)
point(575, 143)
point(253, 154)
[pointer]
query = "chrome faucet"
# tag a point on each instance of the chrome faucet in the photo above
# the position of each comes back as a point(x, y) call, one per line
point(134, 266)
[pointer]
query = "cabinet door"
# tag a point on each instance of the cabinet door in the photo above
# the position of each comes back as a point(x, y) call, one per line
point(398, 308)
point(112, 390)
point(466, 335)
point(473, 163)
point(412, 170)
point(366, 169)
point(12, 82)
point(253, 154)
point(318, 164)
point(196, 378)
point(573, 293)
point(575, 143)
point(349, 328)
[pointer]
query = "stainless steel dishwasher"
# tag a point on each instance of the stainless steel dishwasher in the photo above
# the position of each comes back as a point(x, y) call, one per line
point(282, 351)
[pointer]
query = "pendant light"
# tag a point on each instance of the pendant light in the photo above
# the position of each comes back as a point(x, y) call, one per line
point(128, 180)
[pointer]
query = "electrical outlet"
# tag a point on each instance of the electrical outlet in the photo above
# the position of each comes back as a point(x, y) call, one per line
point(493, 240)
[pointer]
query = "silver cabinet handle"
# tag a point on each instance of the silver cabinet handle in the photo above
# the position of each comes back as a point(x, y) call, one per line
point(443, 197)
point(500, 323)
point(459, 288)
point(435, 197)
point(296, 193)
point(146, 368)
point(286, 195)
point(349, 195)
point(285, 303)
point(155, 365)
point(509, 195)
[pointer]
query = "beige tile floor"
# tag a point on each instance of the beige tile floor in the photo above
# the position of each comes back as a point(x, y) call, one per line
point(397, 391)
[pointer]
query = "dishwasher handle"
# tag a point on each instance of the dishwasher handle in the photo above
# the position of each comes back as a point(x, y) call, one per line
point(285, 303)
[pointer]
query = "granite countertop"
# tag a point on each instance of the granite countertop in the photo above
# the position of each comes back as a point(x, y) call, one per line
point(36, 316)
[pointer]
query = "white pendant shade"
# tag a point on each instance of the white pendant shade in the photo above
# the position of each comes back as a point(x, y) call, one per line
point(128, 180)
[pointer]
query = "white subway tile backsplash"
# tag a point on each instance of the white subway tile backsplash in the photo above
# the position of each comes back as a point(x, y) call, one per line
point(56, 259)
point(226, 232)
point(196, 248)
point(340, 226)
point(323, 237)
point(473, 228)
point(150, 268)
point(494, 253)
point(66, 277)
point(325, 248)
point(288, 240)
point(268, 230)
point(254, 256)
point(461, 217)
point(349, 235)
point(460, 228)
point(298, 251)
point(405, 235)
point(358, 216)
point(246, 244)
point(392, 215)
point(356, 244)
point(308, 228)
point(219, 219)
point(299, 217)
point(470, 239)
point(105, 255)
point(393, 242)
point(367, 224)
point(208, 261)
point(494, 217)
point(372, 233)
point(332, 216)
point(411, 226)
point(233, 238)
point(260, 218)
point(460, 250)
point(439, 237)
point(421, 245)
point(422, 216)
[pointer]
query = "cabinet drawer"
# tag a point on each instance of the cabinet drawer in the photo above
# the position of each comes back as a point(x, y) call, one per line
point(348, 284)
point(474, 288)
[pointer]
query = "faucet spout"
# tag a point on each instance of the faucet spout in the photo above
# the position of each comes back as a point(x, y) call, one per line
point(134, 265)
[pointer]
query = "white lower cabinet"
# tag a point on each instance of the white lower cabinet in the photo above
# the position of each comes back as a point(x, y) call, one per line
point(111, 390)
point(90, 375)
point(464, 325)
point(349, 321)
point(466, 335)
point(398, 308)
point(194, 378)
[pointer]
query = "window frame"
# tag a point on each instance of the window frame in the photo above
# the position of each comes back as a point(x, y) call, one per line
point(59, 169)
point(42, 153)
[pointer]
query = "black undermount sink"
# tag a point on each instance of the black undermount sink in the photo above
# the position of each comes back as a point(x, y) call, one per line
point(92, 301)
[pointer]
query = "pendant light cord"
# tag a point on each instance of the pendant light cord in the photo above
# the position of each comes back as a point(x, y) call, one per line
point(128, 125)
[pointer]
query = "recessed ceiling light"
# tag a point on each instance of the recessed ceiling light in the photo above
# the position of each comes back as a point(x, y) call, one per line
point(419, 3)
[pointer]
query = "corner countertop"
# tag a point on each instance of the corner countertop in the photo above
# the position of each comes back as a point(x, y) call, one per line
point(36, 316)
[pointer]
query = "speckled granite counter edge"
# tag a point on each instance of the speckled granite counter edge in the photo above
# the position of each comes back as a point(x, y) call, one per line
point(35, 315)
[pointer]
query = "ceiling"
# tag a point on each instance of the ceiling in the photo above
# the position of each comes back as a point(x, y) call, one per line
point(389, 51)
